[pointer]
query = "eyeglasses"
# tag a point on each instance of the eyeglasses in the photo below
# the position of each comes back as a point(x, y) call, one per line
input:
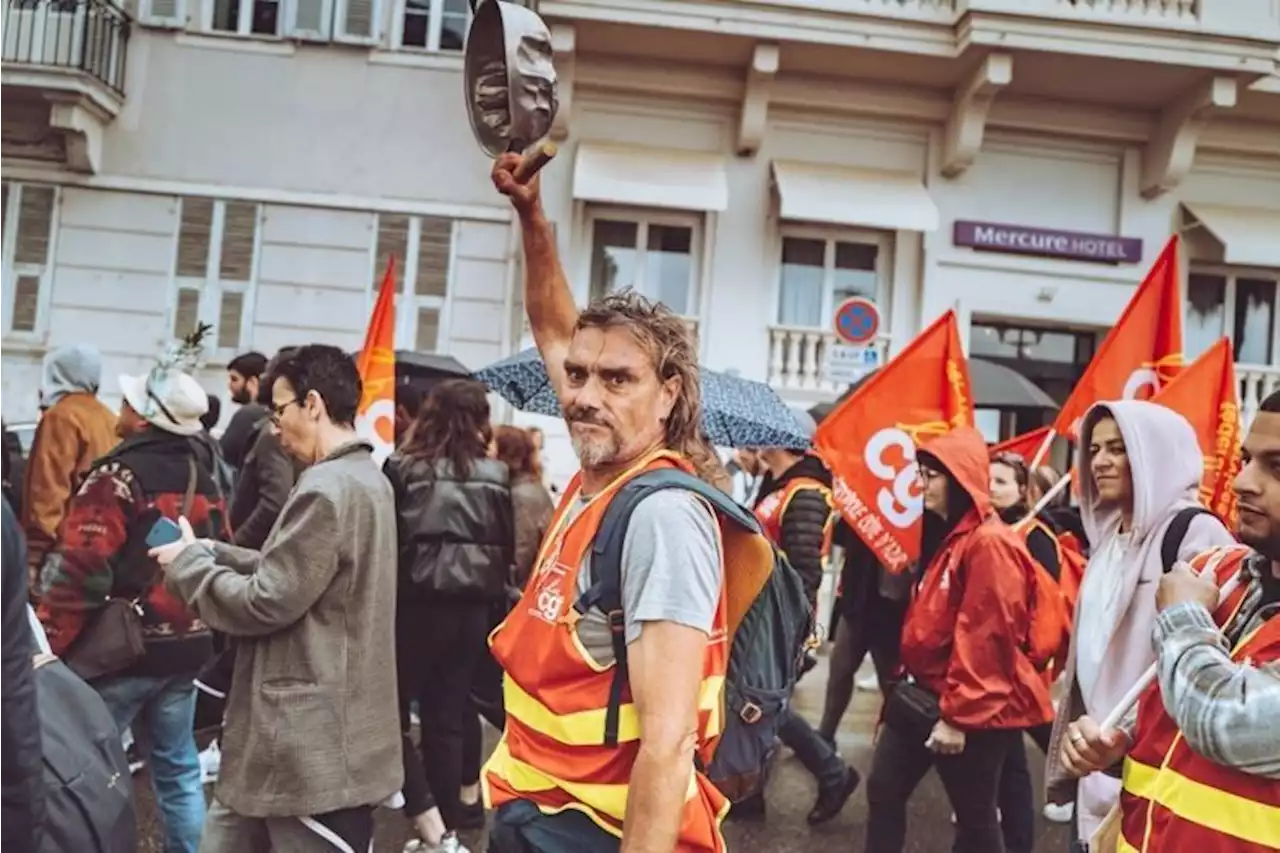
point(277, 411)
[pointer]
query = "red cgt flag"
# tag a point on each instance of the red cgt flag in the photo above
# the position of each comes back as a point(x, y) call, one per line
point(870, 440)
point(1025, 445)
point(376, 418)
point(1205, 394)
point(1142, 351)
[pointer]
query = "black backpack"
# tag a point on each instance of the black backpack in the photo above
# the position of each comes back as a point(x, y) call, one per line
point(1171, 544)
point(87, 786)
point(766, 650)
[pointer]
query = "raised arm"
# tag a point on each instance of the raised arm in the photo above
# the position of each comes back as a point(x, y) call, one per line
point(547, 295)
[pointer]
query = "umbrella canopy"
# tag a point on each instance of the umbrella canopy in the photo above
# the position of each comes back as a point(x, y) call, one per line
point(995, 386)
point(736, 412)
point(422, 370)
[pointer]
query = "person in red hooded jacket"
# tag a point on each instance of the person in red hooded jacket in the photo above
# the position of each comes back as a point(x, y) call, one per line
point(963, 654)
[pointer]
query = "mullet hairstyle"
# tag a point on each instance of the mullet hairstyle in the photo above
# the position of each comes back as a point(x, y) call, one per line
point(672, 352)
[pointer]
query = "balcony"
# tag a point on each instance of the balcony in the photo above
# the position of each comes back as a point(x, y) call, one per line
point(798, 357)
point(63, 78)
point(1256, 382)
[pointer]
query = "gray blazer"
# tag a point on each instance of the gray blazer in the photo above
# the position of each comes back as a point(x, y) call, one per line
point(311, 723)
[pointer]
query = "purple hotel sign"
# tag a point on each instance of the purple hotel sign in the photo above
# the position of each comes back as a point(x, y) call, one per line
point(1043, 242)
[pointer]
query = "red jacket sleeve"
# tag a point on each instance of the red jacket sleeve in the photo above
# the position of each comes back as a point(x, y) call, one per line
point(991, 626)
point(77, 576)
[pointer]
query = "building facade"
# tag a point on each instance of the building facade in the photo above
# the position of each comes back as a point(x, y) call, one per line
point(252, 163)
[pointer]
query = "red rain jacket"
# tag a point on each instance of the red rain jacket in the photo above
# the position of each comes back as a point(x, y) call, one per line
point(968, 619)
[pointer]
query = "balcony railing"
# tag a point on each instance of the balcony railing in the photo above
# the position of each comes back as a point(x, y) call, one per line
point(1256, 382)
point(91, 36)
point(798, 356)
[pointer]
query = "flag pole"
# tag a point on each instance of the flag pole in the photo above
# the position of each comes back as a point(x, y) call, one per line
point(1044, 448)
point(1135, 692)
point(1044, 501)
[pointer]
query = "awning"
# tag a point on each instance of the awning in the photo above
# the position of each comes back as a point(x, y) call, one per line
point(1249, 236)
point(874, 198)
point(650, 177)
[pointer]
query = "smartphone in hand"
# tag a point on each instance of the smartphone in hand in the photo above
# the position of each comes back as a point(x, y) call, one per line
point(164, 532)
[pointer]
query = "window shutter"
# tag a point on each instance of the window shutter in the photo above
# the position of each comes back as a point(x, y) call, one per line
point(309, 19)
point(238, 226)
point(434, 243)
point(393, 240)
point(188, 312)
point(164, 13)
point(194, 234)
point(426, 336)
point(229, 314)
point(35, 219)
point(359, 20)
point(26, 300)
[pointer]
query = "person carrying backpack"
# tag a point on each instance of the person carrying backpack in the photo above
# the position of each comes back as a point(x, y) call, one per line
point(971, 684)
point(1140, 468)
point(796, 512)
point(618, 656)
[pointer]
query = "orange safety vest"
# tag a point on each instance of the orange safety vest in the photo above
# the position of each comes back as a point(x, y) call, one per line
point(1176, 801)
point(774, 505)
point(552, 752)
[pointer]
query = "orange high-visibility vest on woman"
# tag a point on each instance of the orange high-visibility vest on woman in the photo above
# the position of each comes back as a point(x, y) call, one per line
point(1175, 800)
point(553, 752)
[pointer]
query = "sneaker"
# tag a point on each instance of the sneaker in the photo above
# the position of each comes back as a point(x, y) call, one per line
point(448, 844)
point(210, 763)
point(471, 815)
point(868, 683)
point(831, 801)
point(1059, 812)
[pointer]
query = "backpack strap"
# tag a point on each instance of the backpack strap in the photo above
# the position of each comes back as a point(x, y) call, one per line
point(1171, 544)
point(605, 592)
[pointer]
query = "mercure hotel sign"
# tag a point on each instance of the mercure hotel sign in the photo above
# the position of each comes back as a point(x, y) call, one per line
point(1047, 243)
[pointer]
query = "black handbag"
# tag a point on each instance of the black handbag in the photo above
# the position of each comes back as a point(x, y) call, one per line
point(912, 711)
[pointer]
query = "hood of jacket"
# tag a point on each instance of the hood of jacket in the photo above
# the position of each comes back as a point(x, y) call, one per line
point(75, 369)
point(1165, 463)
point(809, 466)
point(963, 453)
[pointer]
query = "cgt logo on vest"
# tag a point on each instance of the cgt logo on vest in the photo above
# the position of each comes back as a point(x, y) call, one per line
point(548, 598)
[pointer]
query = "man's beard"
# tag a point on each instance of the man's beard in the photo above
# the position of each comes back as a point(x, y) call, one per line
point(241, 397)
point(592, 452)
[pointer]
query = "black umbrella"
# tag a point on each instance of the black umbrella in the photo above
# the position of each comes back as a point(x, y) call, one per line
point(995, 386)
point(421, 370)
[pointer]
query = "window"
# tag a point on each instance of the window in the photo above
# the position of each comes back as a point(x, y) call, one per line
point(817, 273)
point(28, 222)
point(433, 24)
point(1240, 305)
point(216, 263)
point(655, 255)
point(247, 17)
point(423, 249)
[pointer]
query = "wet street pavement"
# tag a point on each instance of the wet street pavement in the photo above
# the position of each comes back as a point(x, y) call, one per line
point(790, 796)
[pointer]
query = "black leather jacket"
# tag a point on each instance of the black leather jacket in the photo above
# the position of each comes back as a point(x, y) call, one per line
point(457, 536)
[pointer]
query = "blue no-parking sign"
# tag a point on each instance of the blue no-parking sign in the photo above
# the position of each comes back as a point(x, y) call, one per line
point(857, 321)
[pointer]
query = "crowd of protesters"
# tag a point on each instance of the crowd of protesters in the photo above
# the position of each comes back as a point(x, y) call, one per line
point(321, 607)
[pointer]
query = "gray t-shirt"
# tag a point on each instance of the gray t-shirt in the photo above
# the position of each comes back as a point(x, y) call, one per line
point(670, 571)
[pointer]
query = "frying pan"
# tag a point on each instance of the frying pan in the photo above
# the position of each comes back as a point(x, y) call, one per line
point(510, 83)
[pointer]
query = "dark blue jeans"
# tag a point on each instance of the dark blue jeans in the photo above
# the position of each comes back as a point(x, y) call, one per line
point(519, 827)
point(816, 754)
point(161, 712)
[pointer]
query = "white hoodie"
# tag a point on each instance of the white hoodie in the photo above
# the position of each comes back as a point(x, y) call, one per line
point(1118, 613)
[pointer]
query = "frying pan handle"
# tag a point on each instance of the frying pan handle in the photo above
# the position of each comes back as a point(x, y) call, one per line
point(534, 160)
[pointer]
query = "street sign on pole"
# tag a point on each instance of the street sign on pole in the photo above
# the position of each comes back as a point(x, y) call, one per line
point(857, 321)
point(847, 364)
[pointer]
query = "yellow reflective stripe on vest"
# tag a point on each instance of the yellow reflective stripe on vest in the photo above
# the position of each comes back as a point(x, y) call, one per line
point(608, 800)
point(586, 728)
point(1203, 805)
point(1123, 846)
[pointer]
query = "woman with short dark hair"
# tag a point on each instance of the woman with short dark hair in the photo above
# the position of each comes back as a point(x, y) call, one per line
point(456, 535)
